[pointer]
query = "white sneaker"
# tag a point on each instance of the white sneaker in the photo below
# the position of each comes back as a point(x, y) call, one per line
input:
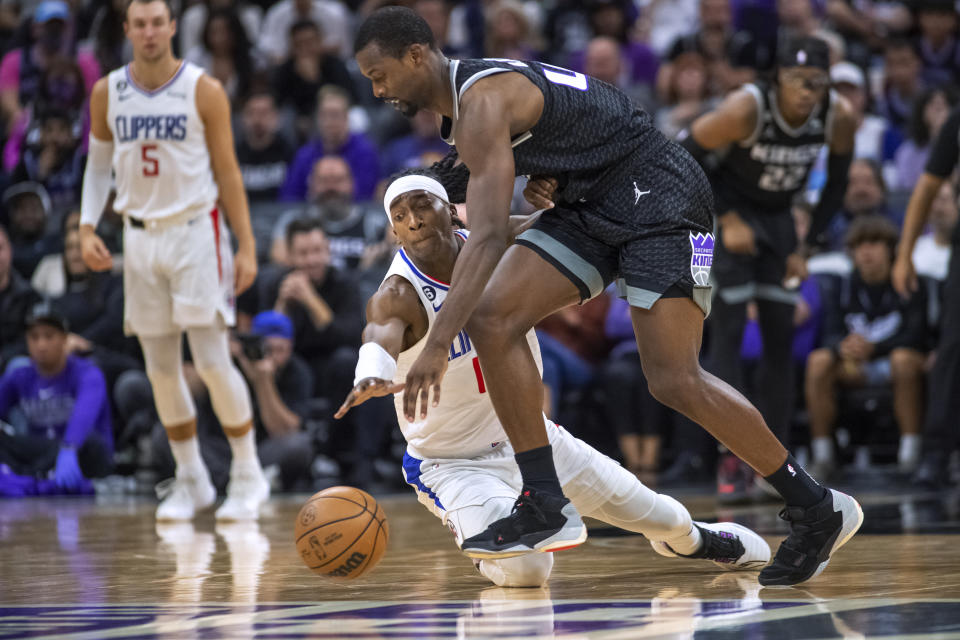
point(183, 496)
point(727, 544)
point(247, 491)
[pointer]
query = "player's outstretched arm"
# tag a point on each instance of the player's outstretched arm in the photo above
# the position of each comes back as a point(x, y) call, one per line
point(394, 314)
point(214, 109)
point(842, 133)
point(96, 181)
point(483, 142)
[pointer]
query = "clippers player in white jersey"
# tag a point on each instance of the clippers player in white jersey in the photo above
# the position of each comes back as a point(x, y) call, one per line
point(164, 128)
point(458, 458)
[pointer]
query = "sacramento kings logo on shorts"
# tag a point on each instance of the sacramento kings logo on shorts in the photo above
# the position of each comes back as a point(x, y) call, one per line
point(701, 258)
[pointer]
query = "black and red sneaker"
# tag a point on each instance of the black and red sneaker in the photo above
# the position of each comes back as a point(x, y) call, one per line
point(537, 522)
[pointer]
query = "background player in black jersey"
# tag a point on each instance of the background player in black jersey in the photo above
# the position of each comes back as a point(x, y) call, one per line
point(765, 138)
point(940, 434)
point(631, 206)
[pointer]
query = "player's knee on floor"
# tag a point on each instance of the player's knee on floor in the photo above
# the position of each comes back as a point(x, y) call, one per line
point(530, 570)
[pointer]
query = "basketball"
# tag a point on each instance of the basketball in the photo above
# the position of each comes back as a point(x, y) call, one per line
point(341, 532)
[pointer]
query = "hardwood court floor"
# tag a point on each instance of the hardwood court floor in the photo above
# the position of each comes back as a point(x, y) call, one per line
point(82, 568)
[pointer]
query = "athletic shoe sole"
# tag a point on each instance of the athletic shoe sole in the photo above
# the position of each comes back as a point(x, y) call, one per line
point(560, 541)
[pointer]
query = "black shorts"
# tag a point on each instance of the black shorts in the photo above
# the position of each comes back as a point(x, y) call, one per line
point(742, 277)
point(651, 230)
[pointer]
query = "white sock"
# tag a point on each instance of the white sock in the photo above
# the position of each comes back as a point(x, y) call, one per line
point(186, 453)
point(244, 448)
point(688, 544)
point(909, 448)
point(822, 449)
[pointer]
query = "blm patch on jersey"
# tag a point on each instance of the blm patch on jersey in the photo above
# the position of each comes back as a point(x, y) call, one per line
point(701, 258)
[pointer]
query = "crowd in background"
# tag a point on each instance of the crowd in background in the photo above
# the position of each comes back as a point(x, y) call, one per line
point(316, 148)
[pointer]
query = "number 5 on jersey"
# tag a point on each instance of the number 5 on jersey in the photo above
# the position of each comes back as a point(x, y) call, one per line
point(151, 164)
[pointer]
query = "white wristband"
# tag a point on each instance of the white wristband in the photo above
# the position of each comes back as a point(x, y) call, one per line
point(374, 362)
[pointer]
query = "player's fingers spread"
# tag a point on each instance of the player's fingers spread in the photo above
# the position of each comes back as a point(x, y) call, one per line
point(436, 394)
point(424, 400)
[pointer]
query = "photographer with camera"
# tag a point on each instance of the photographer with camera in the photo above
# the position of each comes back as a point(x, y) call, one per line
point(282, 385)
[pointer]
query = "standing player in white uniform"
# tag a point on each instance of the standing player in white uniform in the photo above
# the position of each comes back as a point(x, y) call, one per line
point(164, 127)
point(458, 459)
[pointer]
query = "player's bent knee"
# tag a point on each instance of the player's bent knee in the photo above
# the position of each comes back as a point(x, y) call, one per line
point(531, 570)
point(674, 388)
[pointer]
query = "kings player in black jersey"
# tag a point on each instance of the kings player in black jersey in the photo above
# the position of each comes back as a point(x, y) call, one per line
point(758, 147)
point(631, 207)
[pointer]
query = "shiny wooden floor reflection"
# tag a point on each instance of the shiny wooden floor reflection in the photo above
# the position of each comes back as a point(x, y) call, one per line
point(88, 569)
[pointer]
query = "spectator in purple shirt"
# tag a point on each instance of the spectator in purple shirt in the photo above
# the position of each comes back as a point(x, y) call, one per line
point(63, 398)
point(333, 105)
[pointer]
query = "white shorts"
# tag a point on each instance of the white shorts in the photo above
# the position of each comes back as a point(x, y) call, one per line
point(178, 277)
point(469, 494)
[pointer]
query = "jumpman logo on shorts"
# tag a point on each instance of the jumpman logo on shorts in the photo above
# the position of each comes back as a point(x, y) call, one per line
point(637, 193)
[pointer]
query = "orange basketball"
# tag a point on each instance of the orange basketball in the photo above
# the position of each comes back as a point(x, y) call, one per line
point(341, 532)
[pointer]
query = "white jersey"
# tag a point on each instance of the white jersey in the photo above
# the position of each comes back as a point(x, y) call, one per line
point(160, 154)
point(464, 424)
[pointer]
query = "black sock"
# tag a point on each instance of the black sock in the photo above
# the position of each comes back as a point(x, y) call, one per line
point(537, 470)
point(795, 485)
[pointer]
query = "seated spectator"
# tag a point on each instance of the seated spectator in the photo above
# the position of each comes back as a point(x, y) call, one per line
point(274, 40)
point(937, 42)
point(282, 385)
point(466, 18)
point(615, 20)
point(262, 152)
point(190, 26)
point(50, 38)
point(686, 97)
point(355, 230)
point(225, 53)
point(902, 82)
point(930, 111)
point(326, 309)
point(334, 138)
point(61, 89)
point(931, 253)
point(16, 298)
point(871, 336)
point(603, 60)
point(509, 33)
point(50, 277)
point(56, 160)
point(714, 40)
point(67, 437)
point(27, 209)
point(851, 83)
point(299, 79)
point(405, 153)
point(866, 195)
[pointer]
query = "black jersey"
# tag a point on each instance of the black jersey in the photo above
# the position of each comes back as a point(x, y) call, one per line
point(587, 132)
point(767, 170)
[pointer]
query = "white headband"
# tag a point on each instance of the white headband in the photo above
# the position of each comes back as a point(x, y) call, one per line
point(409, 183)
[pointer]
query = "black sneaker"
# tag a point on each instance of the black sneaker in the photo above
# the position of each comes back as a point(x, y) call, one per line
point(734, 480)
point(815, 534)
point(538, 522)
point(727, 544)
point(933, 473)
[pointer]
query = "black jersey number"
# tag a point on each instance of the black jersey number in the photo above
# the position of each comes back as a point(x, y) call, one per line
point(780, 178)
point(556, 75)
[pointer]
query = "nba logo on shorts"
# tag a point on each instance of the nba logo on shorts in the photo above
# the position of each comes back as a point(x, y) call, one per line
point(701, 258)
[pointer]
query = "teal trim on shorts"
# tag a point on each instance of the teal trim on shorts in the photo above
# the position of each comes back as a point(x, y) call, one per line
point(579, 267)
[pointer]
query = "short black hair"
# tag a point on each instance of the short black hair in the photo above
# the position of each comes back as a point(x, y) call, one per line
point(393, 30)
point(917, 129)
point(303, 225)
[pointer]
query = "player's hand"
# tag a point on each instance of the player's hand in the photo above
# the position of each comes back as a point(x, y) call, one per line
point(67, 472)
point(539, 192)
point(425, 374)
point(244, 270)
point(519, 224)
point(93, 251)
point(366, 389)
point(796, 271)
point(904, 276)
point(736, 235)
